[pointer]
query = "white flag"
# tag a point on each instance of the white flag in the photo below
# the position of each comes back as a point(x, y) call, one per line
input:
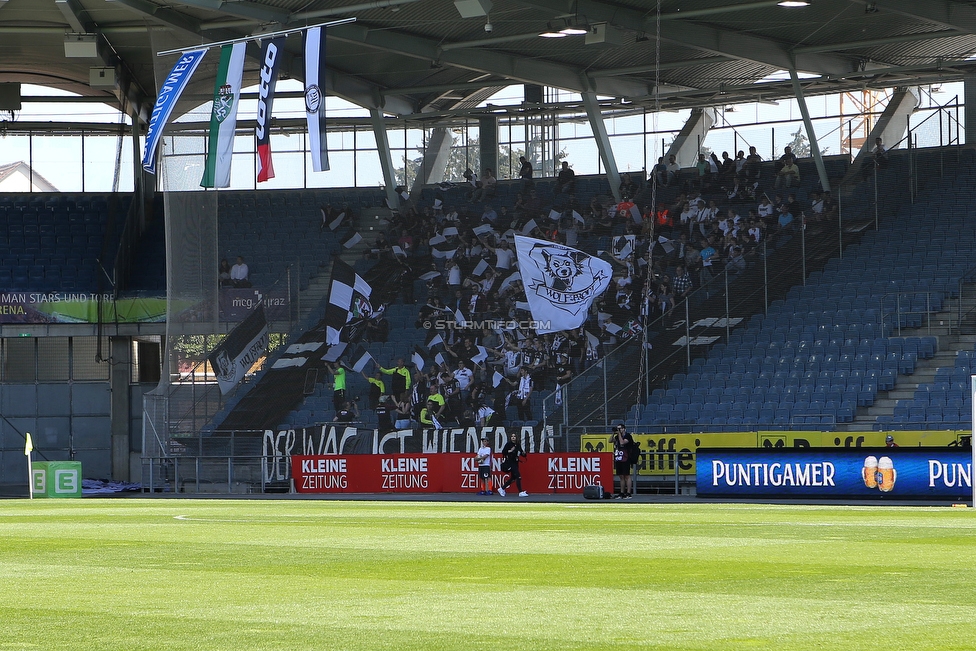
point(560, 282)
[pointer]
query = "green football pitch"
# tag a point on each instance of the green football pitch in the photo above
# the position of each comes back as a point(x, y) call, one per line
point(125, 574)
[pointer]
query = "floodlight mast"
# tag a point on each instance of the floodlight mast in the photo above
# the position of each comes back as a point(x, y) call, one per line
point(257, 37)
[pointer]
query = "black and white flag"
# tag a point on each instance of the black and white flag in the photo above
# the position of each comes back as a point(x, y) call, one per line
point(315, 98)
point(348, 301)
point(481, 356)
point(238, 352)
point(359, 359)
point(336, 221)
point(420, 358)
point(351, 239)
point(623, 246)
point(560, 282)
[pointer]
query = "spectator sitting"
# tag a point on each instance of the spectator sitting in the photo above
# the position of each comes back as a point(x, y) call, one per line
point(239, 274)
point(223, 274)
point(788, 175)
point(659, 173)
point(785, 220)
point(627, 188)
point(487, 188)
point(347, 413)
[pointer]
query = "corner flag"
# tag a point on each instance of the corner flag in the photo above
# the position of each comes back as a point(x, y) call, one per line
point(29, 445)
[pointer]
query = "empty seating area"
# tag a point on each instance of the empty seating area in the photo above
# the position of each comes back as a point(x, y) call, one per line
point(52, 243)
point(945, 403)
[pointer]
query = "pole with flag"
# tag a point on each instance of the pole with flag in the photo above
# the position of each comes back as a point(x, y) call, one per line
point(223, 117)
point(28, 448)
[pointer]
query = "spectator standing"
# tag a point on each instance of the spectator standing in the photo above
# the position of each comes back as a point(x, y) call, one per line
point(623, 449)
point(484, 466)
point(511, 454)
point(525, 173)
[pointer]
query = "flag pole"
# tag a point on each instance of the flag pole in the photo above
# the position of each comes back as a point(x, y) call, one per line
point(28, 448)
point(257, 37)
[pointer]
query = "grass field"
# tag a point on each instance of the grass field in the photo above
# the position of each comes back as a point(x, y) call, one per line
point(126, 574)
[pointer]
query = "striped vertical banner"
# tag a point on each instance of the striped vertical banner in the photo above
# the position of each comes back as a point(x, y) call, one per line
point(315, 98)
point(169, 94)
point(223, 118)
point(270, 57)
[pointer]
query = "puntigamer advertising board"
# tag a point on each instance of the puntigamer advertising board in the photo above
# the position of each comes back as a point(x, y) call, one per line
point(867, 473)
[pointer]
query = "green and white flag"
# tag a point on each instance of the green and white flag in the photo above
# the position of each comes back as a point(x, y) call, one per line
point(223, 119)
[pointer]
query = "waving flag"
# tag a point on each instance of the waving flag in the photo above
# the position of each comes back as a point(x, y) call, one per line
point(169, 94)
point(223, 118)
point(270, 57)
point(315, 98)
point(560, 282)
point(348, 301)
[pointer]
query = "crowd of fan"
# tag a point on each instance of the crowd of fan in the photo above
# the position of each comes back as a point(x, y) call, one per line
point(466, 254)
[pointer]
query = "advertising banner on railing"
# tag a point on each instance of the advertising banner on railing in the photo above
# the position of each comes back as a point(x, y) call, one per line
point(236, 304)
point(660, 449)
point(865, 473)
point(78, 307)
point(445, 473)
point(338, 439)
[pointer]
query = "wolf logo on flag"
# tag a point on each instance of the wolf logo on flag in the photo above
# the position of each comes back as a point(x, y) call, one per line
point(560, 282)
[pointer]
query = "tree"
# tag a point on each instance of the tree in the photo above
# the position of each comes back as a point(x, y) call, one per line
point(801, 146)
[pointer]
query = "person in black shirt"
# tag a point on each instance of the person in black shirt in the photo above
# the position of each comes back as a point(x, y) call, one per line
point(623, 444)
point(347, 413)
point(525, 173)
point(511, 454)
point(384, 414)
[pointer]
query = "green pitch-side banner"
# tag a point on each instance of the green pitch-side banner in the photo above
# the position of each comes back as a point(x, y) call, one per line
point(663, 464)
point(65, 307)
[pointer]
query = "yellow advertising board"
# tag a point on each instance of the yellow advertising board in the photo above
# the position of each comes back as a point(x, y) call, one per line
point(679, 448)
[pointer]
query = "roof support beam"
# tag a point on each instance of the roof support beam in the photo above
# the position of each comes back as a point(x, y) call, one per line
point(71, 11)
point(386, 157)
point(951, 15)
point(811, 133)
point(738, 45)
point(599, 128)
point(671, 65)
point(874, 42)
point(523, 69)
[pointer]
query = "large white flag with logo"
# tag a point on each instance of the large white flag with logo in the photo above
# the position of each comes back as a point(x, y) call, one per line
point(560, 282)
point(223, 118)
point(315, 98)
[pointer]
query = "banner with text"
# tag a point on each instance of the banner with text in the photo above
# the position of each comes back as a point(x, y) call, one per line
point(445, 473)
point(336, 439)
point(866, 473)
point(662, 451)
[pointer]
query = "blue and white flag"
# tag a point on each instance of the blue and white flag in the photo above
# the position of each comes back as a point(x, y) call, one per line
point(560, 282)
point(315, 98)
point(169, 93)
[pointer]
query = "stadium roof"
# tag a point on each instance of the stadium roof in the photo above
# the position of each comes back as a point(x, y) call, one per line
point(420, 56)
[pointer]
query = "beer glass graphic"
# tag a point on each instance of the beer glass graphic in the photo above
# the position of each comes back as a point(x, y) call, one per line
point(870, 472)
point(886, 474)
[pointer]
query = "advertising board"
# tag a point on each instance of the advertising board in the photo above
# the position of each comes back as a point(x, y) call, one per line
point(445, 473)
point(866, 473)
